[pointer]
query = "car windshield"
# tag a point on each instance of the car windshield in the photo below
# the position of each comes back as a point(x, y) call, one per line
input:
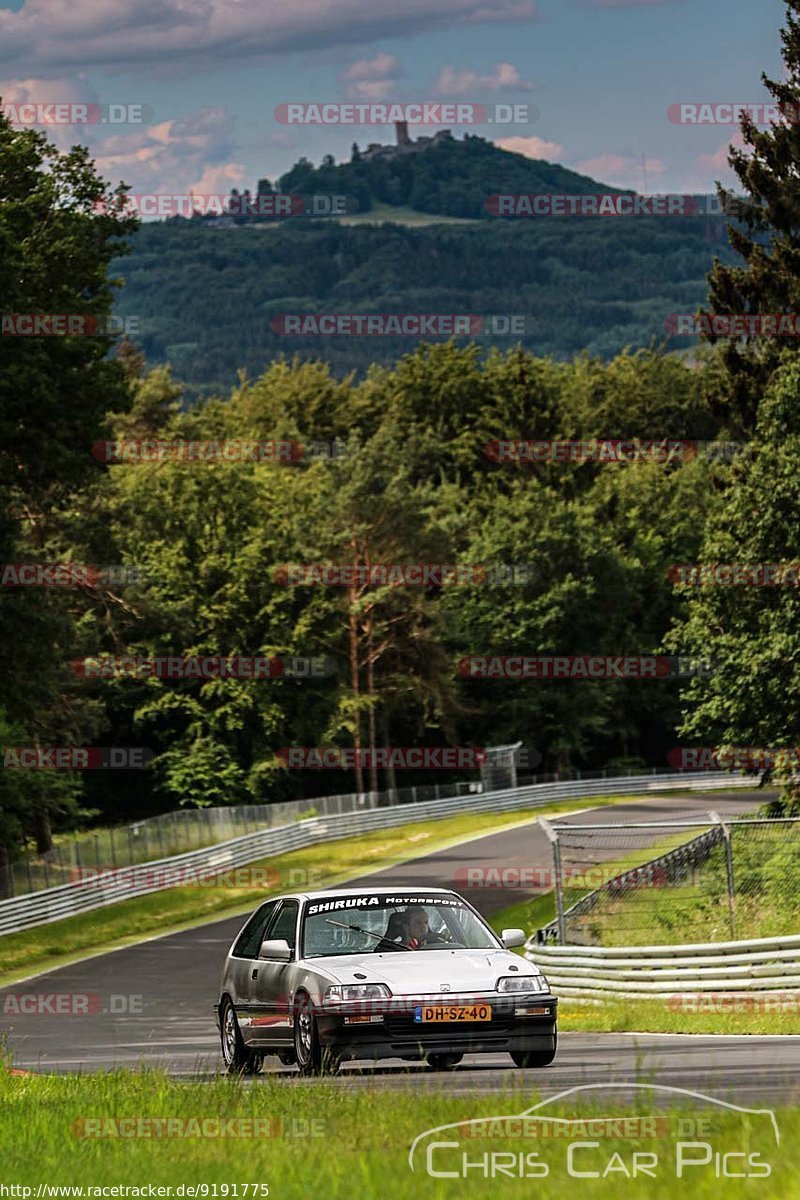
point(363, 923)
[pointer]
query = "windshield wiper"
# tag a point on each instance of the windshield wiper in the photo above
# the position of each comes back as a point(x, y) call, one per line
point(357, 929)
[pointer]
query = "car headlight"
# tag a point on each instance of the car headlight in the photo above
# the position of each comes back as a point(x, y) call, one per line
point(342, 993)
point(522, 983)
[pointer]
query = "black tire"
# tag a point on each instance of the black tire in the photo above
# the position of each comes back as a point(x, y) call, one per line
point(312, 1058)
point(238, 1059)
point(444, 1062)
point(535, 1058)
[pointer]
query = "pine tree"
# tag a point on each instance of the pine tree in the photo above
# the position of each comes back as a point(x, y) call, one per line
point(768, 239)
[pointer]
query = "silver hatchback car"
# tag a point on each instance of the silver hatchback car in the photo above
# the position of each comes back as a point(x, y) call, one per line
point(319, 977)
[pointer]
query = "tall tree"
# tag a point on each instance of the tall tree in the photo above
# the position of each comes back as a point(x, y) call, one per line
point(751, 634)
point(60, 227)
point(768, 239)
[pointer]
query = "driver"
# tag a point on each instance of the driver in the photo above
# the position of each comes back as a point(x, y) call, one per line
point(417, 928)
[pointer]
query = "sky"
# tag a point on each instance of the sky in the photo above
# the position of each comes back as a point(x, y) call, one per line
point(598, 78)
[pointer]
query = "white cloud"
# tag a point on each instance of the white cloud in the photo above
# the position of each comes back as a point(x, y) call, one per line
point(532, 147)
point(624, 171)
point(708, 168)
point(372, 79)
point(453, 81)
point(50, 36)
point(192, 153)
point(51, 91)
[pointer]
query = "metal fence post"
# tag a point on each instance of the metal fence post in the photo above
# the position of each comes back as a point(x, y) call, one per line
point(553, 839)
point(726, 833)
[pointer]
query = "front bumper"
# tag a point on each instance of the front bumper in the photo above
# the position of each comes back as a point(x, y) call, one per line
point(389, 1030)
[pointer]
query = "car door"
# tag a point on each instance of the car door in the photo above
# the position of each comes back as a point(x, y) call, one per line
point(241, 975)
point(273, 980)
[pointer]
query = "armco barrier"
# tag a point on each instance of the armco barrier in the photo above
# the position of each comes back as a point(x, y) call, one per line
point(759, 966)
point(67, 900)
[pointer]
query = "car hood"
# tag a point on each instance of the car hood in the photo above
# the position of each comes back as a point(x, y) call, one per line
point(421, 972)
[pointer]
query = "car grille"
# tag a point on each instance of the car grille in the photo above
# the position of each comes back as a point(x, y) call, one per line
point(403, 1026)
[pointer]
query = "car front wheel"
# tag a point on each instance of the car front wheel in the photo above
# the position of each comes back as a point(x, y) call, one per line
point(312, 1058)
point(534, 1058)
point(238, 1059)
point(444, 1062)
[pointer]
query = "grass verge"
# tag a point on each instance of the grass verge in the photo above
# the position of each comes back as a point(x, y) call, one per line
point(343, 1141)
point(675, 1016)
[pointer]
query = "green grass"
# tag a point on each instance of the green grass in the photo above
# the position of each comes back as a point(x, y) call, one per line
point(337, 1141)
point(665, 1016)
point(529, 915)
point(322, 865)
point(401, 215)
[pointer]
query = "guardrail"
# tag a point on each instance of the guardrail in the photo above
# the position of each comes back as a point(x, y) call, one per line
point(109, 887)
point(761, 965)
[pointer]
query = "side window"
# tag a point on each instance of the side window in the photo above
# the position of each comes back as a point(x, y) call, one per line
point(252, 935)
point(285, 924)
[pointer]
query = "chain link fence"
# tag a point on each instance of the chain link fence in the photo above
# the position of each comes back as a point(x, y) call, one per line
point(194, 829)
point(652, 883)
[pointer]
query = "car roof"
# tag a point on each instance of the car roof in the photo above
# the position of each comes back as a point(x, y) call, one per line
point(334, 893)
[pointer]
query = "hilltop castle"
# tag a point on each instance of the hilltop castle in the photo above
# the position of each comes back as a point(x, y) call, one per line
point(403, 143)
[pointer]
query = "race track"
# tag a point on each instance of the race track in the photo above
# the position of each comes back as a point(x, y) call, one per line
point(152, 1003)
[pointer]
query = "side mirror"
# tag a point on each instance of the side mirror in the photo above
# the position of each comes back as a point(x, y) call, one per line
point(513, 937)
point(277, 948)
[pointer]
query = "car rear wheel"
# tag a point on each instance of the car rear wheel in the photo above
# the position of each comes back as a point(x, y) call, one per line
point(312, 1057)
point(238, 1059)
point(444, 1062)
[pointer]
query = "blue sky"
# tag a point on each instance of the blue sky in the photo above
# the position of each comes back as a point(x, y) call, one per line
point(602, 74)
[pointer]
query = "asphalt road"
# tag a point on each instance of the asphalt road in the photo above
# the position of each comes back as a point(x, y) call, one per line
point(152, 1003)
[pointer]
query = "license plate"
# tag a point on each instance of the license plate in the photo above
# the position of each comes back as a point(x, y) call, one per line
point(427, 1013)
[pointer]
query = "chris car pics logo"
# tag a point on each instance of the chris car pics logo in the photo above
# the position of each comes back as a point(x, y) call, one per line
point(694, 1137)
